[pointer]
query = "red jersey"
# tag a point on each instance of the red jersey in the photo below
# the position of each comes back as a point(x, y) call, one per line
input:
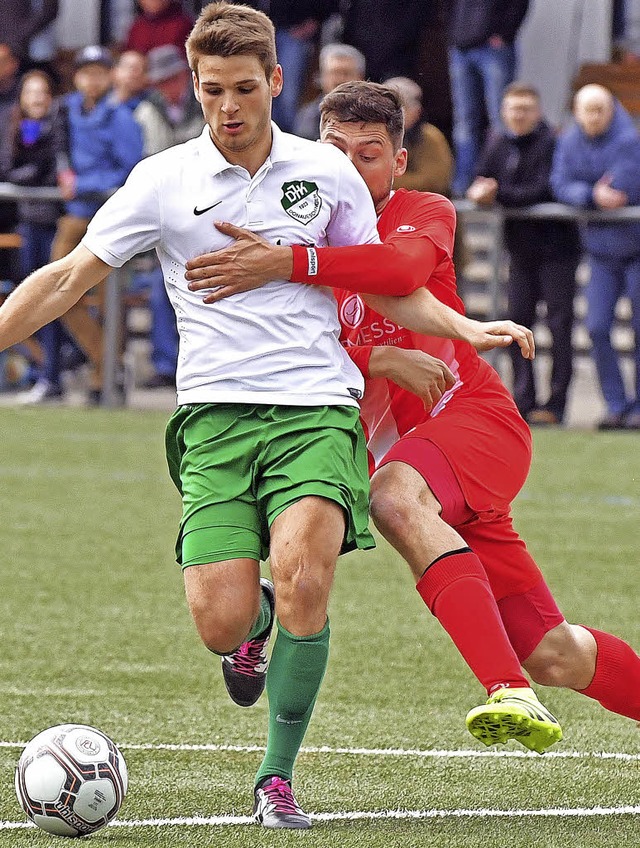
point(475, 424)
point(387, 410)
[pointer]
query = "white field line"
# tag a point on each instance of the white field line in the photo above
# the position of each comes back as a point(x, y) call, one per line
point(378, 752)
point(355, 815)
point(371, 815)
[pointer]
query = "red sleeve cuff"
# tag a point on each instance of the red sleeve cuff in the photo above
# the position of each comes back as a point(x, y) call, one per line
point(360, 355)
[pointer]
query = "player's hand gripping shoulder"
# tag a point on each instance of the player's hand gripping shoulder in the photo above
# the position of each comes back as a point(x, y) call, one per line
point(418, 372)
point(247, 263)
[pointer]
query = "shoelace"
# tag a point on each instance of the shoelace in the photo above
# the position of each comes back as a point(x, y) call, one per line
point(279, 793)
point(248, 656)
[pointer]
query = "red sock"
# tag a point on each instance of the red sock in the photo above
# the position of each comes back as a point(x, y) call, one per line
point(456, 590)
point(616, 683)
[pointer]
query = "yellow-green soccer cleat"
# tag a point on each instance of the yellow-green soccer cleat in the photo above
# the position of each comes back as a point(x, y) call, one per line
point(514, 714)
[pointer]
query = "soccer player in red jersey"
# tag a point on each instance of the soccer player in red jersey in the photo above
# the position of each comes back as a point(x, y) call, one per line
point(444, 476)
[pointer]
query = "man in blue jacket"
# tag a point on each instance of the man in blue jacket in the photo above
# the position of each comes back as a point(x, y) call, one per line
point(514, 170)
point(597, 166)
point(105, 142)
point(482, 63)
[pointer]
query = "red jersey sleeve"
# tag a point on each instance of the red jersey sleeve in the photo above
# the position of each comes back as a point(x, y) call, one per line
point(421, 239)
point(360, 355)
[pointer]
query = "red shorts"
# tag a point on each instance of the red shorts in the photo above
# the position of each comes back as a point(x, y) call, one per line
point(525, 602)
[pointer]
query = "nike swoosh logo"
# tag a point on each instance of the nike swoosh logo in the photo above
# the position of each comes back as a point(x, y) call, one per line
point(281, 720)
point(197, 211)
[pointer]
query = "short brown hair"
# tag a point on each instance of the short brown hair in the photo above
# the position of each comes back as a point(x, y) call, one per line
point(230, 29)
point(366, 102)
point(521, 89)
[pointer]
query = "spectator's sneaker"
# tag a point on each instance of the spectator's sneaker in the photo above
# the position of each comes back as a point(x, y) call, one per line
point(276, 806)
point(612, 421)
point(543, 418)
point(41, 392)
point(245, 670)
point(514, 714)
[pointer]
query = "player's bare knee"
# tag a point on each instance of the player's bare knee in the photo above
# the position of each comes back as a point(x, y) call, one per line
point(562, 659)
point(547, 671)
point(222, 634)
point(301, 597)
point(391, 515)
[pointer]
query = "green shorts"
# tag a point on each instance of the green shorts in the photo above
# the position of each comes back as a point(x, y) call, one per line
point(238, 466)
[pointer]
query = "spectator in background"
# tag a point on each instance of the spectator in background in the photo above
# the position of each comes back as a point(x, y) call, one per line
point(20, 22)
point(32, 153)
point(388, 36)
point(43, 45)
point(626, 20)
point(178, 113)
point(514, 169)
point(9, 81)
point(430, 162)
point(160, 22)
point(298, 24)
point(131, 89)
point(129, 79)
point(105, 142)
point(482, 62)
point(170, 115)
point(9, 90)
point(338, 63)
point(597, 165)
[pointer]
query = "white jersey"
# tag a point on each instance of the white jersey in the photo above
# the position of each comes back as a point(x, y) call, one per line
point(274, 345)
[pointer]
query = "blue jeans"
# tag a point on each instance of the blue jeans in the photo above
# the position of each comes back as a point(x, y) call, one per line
point(611, 278)
point(164, 332)
point(34, 253)
point(294, 54)
point(479, 75)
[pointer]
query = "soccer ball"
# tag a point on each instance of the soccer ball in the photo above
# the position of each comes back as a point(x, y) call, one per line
point(71, 780)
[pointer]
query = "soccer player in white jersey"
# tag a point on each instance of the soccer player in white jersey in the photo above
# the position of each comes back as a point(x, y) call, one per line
point(265, 446)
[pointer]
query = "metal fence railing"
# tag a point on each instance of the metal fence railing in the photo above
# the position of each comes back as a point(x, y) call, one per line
point(494, 217)
point(115, 284)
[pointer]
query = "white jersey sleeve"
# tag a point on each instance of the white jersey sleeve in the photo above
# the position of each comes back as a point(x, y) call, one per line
point(354, 218)
point(130, 220)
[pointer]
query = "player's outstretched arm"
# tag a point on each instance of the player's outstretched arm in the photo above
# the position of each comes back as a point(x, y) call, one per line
point(423, 313)
point(48, 293)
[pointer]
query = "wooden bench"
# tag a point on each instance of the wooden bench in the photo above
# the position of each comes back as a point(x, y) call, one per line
point(622, 80)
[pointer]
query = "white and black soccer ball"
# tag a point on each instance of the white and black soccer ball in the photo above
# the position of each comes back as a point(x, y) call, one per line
point(71, 780)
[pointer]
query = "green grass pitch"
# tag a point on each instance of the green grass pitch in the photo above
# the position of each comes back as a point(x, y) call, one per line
point(95, 630)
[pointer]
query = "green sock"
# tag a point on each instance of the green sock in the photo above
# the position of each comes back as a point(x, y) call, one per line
point(296, 669)
point(264, 617)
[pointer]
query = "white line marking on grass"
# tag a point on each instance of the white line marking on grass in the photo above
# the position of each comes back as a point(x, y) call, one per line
point(378, 752)
point(371, 815)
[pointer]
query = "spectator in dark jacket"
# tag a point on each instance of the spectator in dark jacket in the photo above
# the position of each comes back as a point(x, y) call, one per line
point(514, 169)
point(597, 166)
point(18, 25)
point(32, 154)
point(482, 62)
point(297, 24)
point(388, 34)
point(9, 90)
